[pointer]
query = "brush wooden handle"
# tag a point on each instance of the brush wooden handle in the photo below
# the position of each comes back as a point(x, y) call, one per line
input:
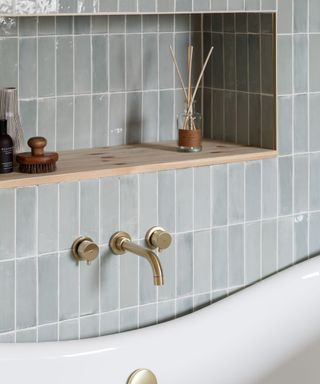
point(37, 145)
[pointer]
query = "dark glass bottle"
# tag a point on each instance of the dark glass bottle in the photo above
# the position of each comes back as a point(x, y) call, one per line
point(6, 149)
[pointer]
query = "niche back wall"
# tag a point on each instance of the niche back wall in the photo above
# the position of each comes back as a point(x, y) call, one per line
point(95, 81)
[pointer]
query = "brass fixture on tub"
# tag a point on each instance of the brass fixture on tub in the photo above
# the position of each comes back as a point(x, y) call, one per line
point(85, 249)
point(121, 242)
point(142, 376)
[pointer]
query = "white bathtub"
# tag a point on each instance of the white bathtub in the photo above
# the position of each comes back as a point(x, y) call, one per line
point(268, 333)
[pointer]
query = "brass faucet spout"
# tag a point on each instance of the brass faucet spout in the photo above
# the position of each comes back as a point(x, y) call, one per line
point(121, 242)
point(150, 256)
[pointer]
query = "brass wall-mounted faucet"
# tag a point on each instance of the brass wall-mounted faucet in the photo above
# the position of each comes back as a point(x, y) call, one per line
point(121, 242)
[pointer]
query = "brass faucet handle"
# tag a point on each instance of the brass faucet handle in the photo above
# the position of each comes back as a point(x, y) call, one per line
point(158, 237)
point(85, 249)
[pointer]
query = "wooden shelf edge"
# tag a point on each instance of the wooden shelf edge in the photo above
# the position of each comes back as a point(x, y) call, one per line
point(87, 164)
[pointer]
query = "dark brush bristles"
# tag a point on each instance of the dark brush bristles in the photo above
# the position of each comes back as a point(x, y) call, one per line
point(37, 168)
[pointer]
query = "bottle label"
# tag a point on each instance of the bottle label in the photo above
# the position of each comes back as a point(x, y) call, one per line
point(6, 160)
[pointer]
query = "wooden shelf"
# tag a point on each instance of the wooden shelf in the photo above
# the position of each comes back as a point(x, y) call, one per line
point(94, 163)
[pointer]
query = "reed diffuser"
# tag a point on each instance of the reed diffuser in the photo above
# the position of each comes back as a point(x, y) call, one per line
point(189, 121)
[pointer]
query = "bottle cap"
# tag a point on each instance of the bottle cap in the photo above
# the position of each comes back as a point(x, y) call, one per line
point(3, 127)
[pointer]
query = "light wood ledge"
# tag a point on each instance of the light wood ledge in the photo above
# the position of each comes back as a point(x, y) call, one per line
point(85, 164)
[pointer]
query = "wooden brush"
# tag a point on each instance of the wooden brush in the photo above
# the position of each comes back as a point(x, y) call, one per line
point(37, 161)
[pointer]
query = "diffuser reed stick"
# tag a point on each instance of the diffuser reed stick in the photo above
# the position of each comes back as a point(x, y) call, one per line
point(199, 79)
point(179, 73)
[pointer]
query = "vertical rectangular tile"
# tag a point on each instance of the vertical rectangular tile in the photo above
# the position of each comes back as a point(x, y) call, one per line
point(269, 247)
point(129, 280)
point(89, 288)
point(109, 279)
point(314, 245)
point(254, 63)
point(301, 237)
point(7, 224)
point(47, 121)
point(166, 115)
point(82, 122)
point(314, 22)
point(301, 192)
point(129, 204)
point(82, 64)
point(285, 242)
point(252, 252)
point(133, 62)
point(284, 64)
point(46, 66)
point(150, 56)
point(236, 193)
point(185, 264)
point(313, 60)
point(219, 190)
point(300, 123)
point(150, 116)
point(285, 10)
point(285, 125)
point(68, 287)
point(100, 112)
point(219, 258)
point(202, 262)
point(253, 190)
point(269, 188)
point(28, 67)
point(285, 185)
point(26, 222)
point(7, 296)
point(65, 115)
point(236, 256)
point(300, 63)
point(48, 288)
point(109, 207)
point(134, 118)
point(314, 182)
point(64, 55)
point(26, 293)
point(117, 62)
point(148, 187)
point(48, 218)
point(202, 196)
point(89, 208)
point(166, 70)
point(314, 138)
point(184, 200)
point(68, 214)
point(100, 61)
point(117, 120)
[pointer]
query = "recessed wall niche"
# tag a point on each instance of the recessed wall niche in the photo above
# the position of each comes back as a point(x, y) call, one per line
point(239, 89)
point(91, 81)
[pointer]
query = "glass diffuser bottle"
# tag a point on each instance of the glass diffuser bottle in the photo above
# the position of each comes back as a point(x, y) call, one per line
point(189, 130)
